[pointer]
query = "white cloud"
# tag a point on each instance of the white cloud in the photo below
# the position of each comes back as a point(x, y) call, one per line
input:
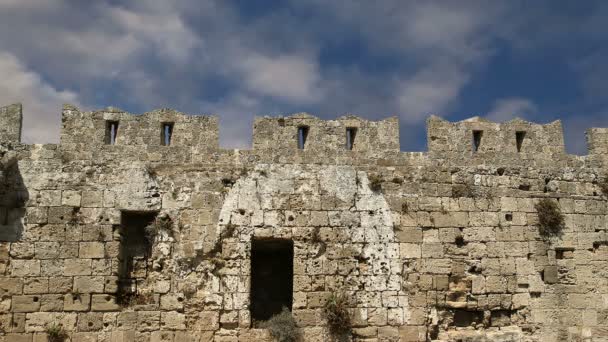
point(41, 102)
point(430, 91)
point(509, 108)
point(292, 77)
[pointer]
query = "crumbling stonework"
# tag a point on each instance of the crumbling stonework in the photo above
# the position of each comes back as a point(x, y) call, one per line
point(131, 240)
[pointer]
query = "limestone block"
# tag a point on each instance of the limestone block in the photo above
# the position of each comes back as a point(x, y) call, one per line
point(91, 250)
point(22, 250)
point(37, 215)
point(39, 321)
point(58, 215)
point(410, 250)
point(76, 302)
point(92, 199)
point(172, 301)
point(70, 198)
point(74, 267)
point(11, 286)
point(86, 284)
point(36, 285)
point(104, 302)
point(51, 302)
point(49, 198)
point(206, 321)
point(25, 303)
point(25, 268)
point(148, 320)
point(173, 320)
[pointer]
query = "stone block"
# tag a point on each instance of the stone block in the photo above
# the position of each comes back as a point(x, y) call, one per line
point(91, 250)
point(25, 303)
point(76, 302)
point(104, 302)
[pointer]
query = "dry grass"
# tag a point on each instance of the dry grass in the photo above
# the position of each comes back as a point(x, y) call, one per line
point(56, 333)
point(282, 327)
point(604, 186)
point(550, 218)
point(375, 182)
point(462, 190)
point(337, 315)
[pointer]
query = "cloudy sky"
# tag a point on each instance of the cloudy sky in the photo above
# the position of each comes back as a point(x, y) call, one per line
point(540, 60)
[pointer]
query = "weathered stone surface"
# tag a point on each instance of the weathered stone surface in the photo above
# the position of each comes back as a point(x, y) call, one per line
point(440, 245)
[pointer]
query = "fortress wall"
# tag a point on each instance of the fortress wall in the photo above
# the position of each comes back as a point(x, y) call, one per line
point(89, 130)
point(496, 139)
point(439, 247)
point(10, 123)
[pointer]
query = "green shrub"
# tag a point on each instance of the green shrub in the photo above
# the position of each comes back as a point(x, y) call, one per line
point(282, 327)
point(604, 186)
point(337, 315)
point(550, 218)
point(56, 333)
point(375, 182)
point(462, 190)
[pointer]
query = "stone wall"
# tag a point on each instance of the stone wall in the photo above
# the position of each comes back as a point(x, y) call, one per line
point(443, 245)
point(10, 123)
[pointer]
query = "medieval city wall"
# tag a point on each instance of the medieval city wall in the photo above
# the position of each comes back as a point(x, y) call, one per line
point(441, 245)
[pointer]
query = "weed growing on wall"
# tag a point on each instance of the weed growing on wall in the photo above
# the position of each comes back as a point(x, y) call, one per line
point(375, 182)
point(282, 327)
point(550, 218)
point(56, 333)
point(462, 190)
point(603, 184)
point(337, 315)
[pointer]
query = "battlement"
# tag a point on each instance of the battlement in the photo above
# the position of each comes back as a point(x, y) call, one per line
point(597, 140)
point(285, 135)
point(304, 134)
point(11, 120)
point(112, 126)
point(480, 137)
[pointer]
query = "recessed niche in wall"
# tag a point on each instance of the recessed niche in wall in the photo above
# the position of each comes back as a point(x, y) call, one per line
point(271, 277)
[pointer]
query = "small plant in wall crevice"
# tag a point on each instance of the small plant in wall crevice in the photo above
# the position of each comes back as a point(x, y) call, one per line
point(337, 314)
point(282, 327)
point(56, 333)
point(550, 218)
point(375, 182)
point(603, 185)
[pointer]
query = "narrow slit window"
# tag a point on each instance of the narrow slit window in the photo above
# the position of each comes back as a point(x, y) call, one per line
point(271, 277)
point(351, 132)
point(111, 132)
point(166, 133)
point(302, 135)
point(519, 139)
point(477, 140)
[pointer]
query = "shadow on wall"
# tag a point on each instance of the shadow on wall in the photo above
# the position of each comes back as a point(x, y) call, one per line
point(13, 198)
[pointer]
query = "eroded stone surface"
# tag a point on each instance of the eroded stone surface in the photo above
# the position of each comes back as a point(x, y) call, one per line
point(441, 245)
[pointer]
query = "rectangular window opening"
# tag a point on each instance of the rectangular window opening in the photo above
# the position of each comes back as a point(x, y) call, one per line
point(135, 248)
point(111, 132)
point(166, 133)
point(302, 135)
point(271, 278)
point(477, 140)
point(519, 139)
point(351, 132)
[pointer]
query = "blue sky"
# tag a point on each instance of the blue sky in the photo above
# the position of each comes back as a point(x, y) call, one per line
point(541, 60)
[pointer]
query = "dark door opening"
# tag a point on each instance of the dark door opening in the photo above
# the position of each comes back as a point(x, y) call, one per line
point(271, 278)
point(135, 248)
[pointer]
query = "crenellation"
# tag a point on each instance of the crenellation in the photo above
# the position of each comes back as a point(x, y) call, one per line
point(138, 241)
point(90, 130)
point(517, 139)
point(280, 135)
point(11, 119)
